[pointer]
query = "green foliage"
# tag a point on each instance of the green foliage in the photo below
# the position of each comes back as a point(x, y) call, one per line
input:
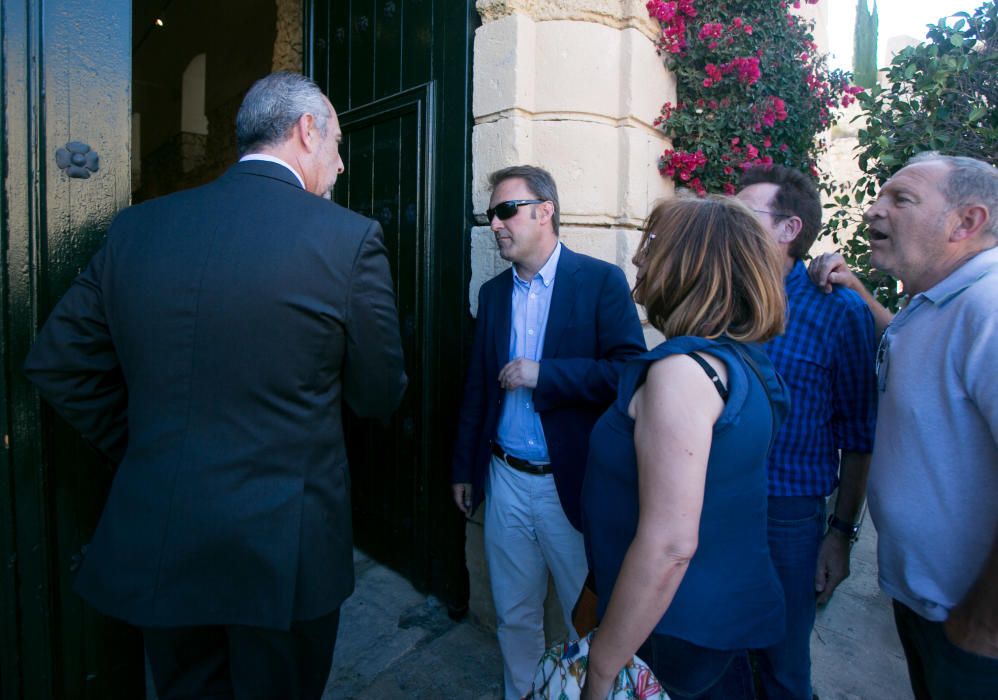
point(864, 50)
point(941, 95)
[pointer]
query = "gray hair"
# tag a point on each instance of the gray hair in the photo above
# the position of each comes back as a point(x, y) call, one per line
point(969, 181)
point(272, 107)
point(539, 182)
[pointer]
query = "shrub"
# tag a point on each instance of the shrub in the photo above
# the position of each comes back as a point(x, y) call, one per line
point(752, 89)
point(941, 95)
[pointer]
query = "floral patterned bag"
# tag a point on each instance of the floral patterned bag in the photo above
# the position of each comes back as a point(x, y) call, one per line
point(562, 671)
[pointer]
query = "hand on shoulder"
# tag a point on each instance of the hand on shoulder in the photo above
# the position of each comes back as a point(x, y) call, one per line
point(829, 269)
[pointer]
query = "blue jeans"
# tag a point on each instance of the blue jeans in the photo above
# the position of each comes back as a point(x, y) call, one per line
point(690, 672)
point(796, 527)
point(939, 669)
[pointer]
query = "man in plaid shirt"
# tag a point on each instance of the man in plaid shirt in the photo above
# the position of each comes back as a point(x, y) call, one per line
point(826, 356)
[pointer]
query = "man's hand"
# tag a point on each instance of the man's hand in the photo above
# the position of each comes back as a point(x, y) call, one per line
point(833, 565)
point(829, 269)
point(519, 372)
point(967, 632)
point(462, 497)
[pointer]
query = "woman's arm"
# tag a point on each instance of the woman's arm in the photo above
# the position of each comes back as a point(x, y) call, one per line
point(674, 414)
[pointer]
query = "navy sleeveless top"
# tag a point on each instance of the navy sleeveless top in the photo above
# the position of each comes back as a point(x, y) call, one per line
point(730, 597)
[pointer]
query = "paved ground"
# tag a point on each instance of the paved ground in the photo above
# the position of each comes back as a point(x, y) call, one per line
point(396, 643)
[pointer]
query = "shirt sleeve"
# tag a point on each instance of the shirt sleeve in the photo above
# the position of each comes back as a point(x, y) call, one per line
point(978, 371)
point(854, 385)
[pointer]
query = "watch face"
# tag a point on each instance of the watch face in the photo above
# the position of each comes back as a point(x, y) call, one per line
point(849, 530)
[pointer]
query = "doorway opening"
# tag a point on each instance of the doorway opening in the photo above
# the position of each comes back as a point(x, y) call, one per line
point(192, 62)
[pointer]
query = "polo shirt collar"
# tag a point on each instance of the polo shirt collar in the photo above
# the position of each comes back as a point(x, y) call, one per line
point(963, 277)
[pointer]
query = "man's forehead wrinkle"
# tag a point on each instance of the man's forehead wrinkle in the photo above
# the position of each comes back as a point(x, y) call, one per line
point(909, 178)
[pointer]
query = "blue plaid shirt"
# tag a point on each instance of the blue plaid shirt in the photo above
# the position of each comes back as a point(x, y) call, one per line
point(826, 356)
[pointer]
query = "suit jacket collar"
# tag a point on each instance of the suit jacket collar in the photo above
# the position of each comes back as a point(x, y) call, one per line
point(559, 314)
point(562, 300)
point(264, 168)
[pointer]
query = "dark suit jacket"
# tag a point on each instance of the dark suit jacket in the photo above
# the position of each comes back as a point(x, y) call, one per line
point(592, 328)
point(207, 348)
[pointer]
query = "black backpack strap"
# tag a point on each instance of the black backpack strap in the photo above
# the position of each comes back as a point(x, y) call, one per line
point(721, 389)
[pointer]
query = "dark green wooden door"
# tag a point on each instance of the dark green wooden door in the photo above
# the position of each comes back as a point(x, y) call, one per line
point(398, 73)
point(65, 78)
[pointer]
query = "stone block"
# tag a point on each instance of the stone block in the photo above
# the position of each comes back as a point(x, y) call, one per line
point(599, 243)
point(641, 184)
point(578, 70)
point(645, 83)
point(555, 67)
point(612, 13)
point(504, 66)
point(498, 144)
point(584, 158)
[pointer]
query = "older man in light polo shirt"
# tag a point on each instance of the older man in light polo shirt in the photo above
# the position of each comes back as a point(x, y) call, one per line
point(934, 478)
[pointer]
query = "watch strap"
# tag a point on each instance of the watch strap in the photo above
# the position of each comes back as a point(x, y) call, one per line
point(850, 530)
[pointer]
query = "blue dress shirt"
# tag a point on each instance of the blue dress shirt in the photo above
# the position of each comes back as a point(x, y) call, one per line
point(519, 431)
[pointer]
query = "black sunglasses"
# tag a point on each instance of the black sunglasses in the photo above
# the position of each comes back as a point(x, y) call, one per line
point(507, 210)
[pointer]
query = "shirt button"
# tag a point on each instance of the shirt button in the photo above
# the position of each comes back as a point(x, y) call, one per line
point(530, 442)
point(533, 295)
point(530, 331)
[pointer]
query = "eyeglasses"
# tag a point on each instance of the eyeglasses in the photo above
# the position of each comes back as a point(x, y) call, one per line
point(774, 214)
point(883, 361)
point(507, 210)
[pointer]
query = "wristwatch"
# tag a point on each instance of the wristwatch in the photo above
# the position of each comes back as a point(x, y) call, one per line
point(851, 531)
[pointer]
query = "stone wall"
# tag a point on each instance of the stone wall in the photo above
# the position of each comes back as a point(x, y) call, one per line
point(287, 42)
point(572, 86)
point(576, 94)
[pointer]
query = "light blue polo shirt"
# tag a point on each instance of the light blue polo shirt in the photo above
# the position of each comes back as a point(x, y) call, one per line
point(934, 477)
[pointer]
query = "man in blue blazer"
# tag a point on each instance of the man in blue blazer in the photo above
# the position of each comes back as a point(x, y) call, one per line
point(551, 334)
point(207, 350)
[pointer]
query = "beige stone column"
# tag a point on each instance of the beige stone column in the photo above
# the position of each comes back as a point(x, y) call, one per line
point(574, 87)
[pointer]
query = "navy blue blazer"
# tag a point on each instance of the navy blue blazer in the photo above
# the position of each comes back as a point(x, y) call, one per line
point(592, 329)
point(208, 348)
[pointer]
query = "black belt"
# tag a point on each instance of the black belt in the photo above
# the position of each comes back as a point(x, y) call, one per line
point(520, 465)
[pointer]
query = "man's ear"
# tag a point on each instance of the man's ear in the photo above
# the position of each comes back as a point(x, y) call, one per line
point(547, 210)
point(973, 220)
point(304, 132)
point(792, 226)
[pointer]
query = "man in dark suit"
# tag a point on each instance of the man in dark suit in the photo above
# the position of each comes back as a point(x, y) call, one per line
point(207, 350)
point(550, 337)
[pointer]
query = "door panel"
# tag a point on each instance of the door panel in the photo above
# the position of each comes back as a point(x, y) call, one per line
point(65, 82)
point(385, 147)
point(399, 73)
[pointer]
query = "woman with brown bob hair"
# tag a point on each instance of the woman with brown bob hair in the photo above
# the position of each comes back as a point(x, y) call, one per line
point(675, 495)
